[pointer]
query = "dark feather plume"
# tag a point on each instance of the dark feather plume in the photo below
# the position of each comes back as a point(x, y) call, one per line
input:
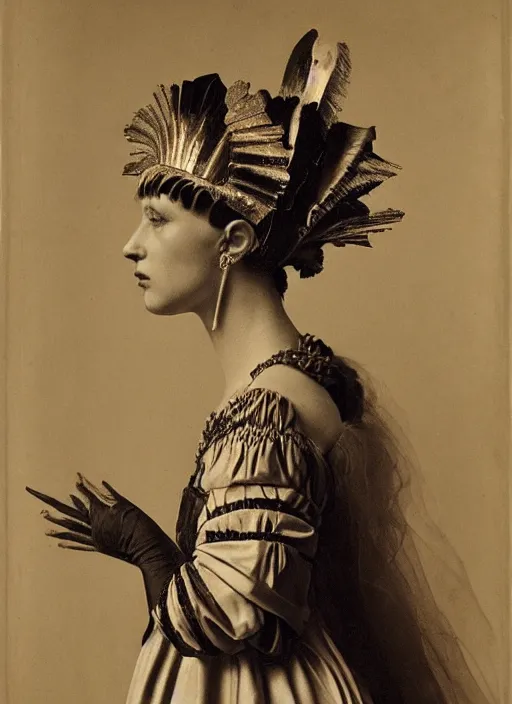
point(332, 163)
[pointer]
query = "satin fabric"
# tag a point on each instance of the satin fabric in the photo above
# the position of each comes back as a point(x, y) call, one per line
point(236, 623)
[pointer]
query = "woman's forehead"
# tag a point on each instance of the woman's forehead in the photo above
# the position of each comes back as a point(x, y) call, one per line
point(161, 202)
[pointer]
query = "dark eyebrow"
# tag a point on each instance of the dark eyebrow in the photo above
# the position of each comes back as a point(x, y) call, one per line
point(149, 209)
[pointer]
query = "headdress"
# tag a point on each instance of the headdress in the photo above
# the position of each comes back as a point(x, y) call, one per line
point(287, 164)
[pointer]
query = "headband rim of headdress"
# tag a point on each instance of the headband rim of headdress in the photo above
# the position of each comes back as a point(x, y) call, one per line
point(236, 199)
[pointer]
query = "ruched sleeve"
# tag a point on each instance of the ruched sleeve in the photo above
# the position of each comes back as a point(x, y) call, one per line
point(248, 580)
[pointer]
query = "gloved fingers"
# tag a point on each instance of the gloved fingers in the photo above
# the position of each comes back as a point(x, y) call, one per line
point(55, 503)
point(113, 491)
point(69, 535)
point(67, 523)
point(70, 546)
point(92, 492)
point(80, 506)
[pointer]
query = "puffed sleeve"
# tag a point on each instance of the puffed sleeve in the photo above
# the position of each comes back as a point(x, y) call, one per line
point(248, 580)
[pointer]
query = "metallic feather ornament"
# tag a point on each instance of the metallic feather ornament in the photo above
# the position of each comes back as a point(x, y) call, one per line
point(220, 139)
point(287, 164)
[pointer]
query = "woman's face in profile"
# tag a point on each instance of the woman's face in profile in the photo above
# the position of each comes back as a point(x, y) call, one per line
point(178, 252)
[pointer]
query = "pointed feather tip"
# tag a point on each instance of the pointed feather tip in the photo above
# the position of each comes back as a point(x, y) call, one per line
point(312, 43)
point(310, 36)
point(326, 42)
point(392, 215)
point(297, 66)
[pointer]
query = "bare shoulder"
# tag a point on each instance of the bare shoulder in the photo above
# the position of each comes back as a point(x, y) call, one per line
point(317, 413)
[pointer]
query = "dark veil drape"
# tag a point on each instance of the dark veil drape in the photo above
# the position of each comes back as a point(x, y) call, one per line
point(399, 583)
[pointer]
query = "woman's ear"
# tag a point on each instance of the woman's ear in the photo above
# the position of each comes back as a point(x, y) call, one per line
point(240, 238)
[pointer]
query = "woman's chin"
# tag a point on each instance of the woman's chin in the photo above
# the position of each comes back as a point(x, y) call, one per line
point(159, 310)
point(158, 307)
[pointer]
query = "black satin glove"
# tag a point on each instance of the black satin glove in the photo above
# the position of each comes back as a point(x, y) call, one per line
point(109, 523)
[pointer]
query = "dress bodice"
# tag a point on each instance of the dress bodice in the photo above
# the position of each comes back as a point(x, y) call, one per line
point(311, 356)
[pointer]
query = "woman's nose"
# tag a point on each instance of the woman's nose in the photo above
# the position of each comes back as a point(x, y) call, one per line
point(134, 249)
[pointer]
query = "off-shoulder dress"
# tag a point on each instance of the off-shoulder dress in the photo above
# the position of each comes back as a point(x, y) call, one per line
point(236, 623)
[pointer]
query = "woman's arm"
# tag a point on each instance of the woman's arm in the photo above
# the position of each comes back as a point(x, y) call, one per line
point(247, 584)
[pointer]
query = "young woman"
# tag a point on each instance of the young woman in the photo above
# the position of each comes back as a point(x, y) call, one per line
point(293, 578)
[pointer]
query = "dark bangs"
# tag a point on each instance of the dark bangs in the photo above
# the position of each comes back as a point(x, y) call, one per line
point(191, 196)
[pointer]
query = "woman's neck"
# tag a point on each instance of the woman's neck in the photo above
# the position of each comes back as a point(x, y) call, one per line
point(253, 325)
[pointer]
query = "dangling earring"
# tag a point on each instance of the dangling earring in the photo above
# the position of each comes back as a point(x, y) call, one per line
point(225, 262)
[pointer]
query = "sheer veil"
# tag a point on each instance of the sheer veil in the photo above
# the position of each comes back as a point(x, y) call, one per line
point(405, 614)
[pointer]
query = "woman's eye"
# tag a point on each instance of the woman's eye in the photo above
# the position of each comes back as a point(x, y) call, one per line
point(156, 221)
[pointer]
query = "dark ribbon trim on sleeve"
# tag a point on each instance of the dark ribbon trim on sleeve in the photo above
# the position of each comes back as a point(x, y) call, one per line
point(170, 632)
point(199, 585)
point(207, 648)
point(258, 503)
point(219, 536)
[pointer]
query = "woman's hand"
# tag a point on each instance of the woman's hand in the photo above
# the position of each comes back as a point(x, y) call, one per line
point(94, 522)
point(109, 523)
point(78, 535)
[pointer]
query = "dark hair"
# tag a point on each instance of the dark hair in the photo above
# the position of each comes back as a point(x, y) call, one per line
point(200, 201)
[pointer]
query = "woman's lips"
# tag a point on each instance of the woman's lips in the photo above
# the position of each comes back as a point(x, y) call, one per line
point(142, 278)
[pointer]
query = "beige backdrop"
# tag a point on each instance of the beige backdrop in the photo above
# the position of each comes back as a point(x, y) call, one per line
point(98, 385)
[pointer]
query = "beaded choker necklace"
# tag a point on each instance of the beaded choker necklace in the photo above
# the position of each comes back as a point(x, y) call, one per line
point(312, 356)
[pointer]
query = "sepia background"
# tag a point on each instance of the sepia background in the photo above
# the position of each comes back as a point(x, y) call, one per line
point(97, 385)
